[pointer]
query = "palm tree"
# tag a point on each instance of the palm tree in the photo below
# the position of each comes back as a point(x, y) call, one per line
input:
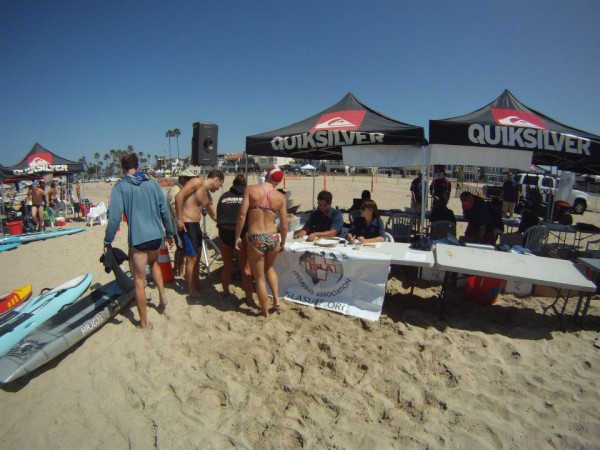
point(169, 135)
point(107, 158)
point(177, 132)
point(97, 156)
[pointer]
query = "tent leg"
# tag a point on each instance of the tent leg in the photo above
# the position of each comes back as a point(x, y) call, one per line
point(425, 183)
point(314, 181)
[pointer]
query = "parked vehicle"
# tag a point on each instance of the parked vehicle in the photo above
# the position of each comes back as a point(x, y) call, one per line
point(547, 185)
point(291, 168)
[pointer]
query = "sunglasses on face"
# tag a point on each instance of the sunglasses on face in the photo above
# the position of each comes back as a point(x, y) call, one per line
point(322, 205)
point(365, 208)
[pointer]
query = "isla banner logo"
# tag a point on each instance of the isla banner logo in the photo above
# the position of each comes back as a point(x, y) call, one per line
point(322, 268)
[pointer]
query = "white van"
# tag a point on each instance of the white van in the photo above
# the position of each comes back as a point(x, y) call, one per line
point(546, 184)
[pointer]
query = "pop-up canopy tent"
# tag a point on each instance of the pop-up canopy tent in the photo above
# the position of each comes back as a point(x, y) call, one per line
point(506, 133)
point(349, 130)
point(40, 160)
point(4, 173)
point(349, 124)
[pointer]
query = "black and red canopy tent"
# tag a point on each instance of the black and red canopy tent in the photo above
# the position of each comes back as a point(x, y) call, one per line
point(506, 133)
point(40, 161)
point(327, 135)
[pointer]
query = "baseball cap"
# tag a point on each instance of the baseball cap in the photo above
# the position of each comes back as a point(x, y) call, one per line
point(191, 171)
point(275, 174)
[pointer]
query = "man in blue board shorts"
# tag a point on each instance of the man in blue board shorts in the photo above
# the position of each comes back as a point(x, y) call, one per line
point(190, 202)
point(148, 221)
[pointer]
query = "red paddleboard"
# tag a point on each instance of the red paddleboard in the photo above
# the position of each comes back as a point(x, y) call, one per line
point(10, 300)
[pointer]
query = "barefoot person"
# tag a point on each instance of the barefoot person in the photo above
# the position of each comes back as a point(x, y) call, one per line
point(38, 195)
point(227, 212)
point(51, 196)
point(145, 206)
point(189, 203)
point(179, 259)
point(261, 204)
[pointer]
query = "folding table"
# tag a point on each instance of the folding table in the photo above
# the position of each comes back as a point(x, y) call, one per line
point(557, 273)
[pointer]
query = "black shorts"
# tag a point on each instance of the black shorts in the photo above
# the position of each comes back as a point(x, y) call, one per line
point(150, 245)
point(227, 237)
point(192, 238)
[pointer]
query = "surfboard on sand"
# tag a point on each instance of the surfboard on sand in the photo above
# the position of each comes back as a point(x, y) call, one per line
point(5, 247)
point(20, 322)
point(63, 331)
point(16, 297)
point(39, 235)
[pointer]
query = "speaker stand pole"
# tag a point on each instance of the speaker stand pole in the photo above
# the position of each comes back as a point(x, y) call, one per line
point(208, 242)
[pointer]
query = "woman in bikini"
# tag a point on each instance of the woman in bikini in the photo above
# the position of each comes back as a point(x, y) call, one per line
point(261, 204)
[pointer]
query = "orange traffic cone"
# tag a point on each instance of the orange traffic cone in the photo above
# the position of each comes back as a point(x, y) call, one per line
point(164, 262)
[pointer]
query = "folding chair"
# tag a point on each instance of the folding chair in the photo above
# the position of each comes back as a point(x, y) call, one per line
point(441, 228)
point(589, 252)
point(535, 237)
point(401, 226)
point(64, 207)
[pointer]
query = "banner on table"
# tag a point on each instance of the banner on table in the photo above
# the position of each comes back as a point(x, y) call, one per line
point(344, 280)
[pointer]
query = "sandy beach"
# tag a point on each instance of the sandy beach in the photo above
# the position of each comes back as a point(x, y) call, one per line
point(212, 374)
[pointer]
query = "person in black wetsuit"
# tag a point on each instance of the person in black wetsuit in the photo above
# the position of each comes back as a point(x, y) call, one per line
point(228, 208)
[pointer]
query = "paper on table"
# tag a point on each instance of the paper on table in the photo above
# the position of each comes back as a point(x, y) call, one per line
point(325, 242)
point(415, 256)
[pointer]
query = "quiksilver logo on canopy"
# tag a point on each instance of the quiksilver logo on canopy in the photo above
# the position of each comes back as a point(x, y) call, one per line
point(328, 138)
point(42, 168)
point(528, 138)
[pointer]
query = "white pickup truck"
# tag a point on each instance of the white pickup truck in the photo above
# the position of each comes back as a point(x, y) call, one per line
point(579, 200)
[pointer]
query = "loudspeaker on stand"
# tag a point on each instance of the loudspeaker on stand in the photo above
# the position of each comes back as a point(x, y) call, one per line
point(205, 139)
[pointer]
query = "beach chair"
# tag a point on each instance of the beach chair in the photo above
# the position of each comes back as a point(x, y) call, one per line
point(401, 226)
point(441, 228)
point(535, 238)
point(98, 213)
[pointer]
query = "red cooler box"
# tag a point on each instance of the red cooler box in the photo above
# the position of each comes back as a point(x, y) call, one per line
point(483, 290)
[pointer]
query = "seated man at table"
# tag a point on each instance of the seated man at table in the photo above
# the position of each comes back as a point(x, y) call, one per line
point(480, 226)
point(356, 205)
point(324, 222)
point(528, 219)
point(439, 211)
point(368, 227)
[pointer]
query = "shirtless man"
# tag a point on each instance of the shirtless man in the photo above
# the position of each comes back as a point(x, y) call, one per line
point(38, 195)
point(51, 196)
point(189, 203)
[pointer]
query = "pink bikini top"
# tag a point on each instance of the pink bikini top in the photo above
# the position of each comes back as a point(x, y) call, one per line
point(266, 198)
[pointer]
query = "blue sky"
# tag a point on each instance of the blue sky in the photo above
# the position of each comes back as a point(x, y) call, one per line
point(82, 76)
